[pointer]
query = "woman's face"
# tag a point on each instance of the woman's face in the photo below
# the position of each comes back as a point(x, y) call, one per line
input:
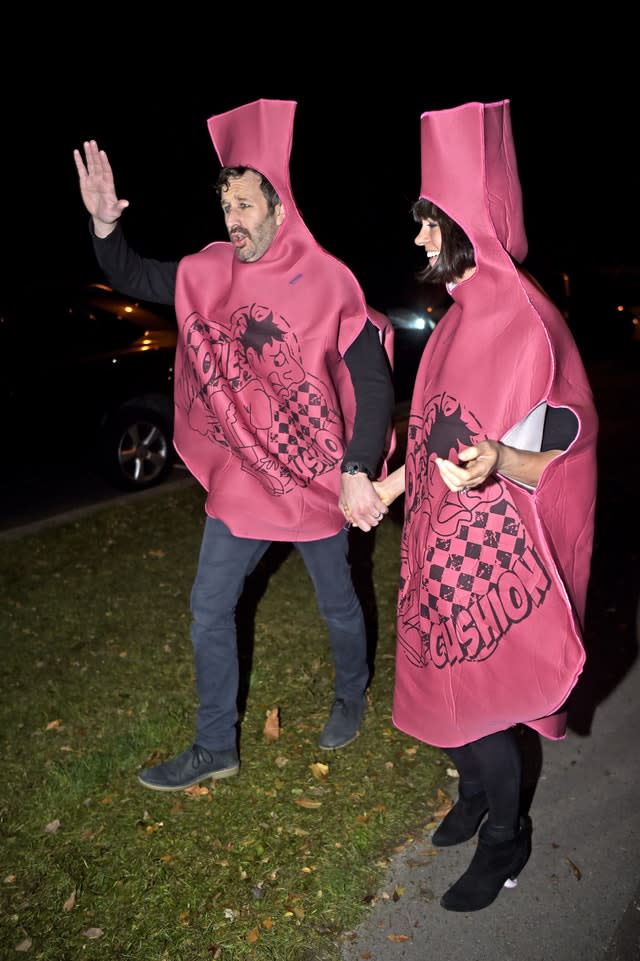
point(430, 237)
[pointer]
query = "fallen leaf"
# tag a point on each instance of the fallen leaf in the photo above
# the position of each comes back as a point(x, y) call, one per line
point(398, 937)
point(25, 945)
point(215, 951)
point(253, 935)
point(93, 933)
point(267, 924)
point(306, 802)
point(70, 902)
point(156, 553)
point(52, 826)
point(196, 790)
point(271, 727)
point(453, 772)
point(10, 878)
point(53, 725)
point(319, 770)
point(398, 891)
point(576, 870)
point(281, 761)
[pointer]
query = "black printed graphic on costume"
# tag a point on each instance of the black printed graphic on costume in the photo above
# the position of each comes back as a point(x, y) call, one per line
point(245, 388)
point(468, 569)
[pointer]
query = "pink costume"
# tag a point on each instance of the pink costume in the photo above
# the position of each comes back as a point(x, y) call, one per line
point(265, 406)
point(493, 580)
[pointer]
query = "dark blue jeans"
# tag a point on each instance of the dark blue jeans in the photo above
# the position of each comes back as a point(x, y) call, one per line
point(224, 564)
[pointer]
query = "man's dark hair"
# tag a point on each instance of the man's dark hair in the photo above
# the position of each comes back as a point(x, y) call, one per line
point(232, 173)
point(456, 252)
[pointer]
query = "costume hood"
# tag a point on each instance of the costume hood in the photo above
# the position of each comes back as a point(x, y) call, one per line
point(469, 170)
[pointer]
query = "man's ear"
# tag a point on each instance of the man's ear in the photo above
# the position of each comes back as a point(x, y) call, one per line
point(279, 213)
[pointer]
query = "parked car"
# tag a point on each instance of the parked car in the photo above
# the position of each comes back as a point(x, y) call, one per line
point(88, 373)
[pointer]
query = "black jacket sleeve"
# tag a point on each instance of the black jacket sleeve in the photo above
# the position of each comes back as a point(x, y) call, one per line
point(131, 274)
point(371, 377)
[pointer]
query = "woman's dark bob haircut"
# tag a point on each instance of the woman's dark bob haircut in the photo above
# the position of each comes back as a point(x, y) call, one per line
point(456, 252)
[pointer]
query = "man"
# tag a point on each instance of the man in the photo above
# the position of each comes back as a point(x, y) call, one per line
point(283, 404)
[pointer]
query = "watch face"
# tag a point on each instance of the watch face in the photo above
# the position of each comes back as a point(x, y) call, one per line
point(354, 469)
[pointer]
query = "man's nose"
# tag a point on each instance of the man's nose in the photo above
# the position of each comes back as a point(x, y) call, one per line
point(233, 217)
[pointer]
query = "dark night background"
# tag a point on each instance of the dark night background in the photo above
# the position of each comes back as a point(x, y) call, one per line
point(355, 165)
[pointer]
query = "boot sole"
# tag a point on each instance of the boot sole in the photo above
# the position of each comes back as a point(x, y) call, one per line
point(214, 776)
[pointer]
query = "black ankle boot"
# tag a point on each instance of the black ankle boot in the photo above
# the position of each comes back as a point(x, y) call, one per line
point(462, 821)
point(491, 866)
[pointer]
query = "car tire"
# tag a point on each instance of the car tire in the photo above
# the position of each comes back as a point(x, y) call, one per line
point(135, 449)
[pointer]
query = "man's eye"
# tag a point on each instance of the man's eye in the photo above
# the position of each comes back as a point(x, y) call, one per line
point(244, 206)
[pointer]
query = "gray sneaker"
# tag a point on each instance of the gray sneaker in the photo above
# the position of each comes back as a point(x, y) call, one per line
point(343, 724)
point(192, 766)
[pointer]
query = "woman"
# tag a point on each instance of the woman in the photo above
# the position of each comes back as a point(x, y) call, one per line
point(500, 484)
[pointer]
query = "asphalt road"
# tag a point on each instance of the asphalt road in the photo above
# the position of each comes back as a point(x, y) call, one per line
point(45, 495)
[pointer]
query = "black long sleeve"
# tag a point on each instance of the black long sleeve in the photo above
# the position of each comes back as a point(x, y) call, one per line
point(373, 387)
point(155, 281)
point(131, 274)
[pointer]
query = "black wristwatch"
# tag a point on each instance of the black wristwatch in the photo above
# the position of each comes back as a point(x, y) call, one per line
point(353, 467)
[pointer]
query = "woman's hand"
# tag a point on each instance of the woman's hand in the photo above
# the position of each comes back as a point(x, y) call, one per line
point(477, 463)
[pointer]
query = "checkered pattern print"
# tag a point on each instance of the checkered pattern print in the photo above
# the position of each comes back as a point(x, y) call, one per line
point(453, 574)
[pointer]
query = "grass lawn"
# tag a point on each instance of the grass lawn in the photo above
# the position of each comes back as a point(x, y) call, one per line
point(276, 863)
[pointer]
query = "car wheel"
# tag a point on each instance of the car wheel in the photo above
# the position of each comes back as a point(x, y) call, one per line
point(135, 449)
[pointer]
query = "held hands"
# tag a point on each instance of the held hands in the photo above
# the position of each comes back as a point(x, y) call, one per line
point(98, 188)
point(359, 502)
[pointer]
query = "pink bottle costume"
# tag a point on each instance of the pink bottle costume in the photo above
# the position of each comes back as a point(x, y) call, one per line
point(264, 402)
point(277, 359)
point(493, 580)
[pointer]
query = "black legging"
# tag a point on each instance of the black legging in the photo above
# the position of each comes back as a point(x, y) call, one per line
point(492, 764)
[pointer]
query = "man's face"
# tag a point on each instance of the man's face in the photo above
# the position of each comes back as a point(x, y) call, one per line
point(250, 226)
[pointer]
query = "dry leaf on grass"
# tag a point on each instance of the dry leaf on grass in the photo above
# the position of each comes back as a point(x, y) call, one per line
point(70, 902)
point(271, 727)
point(253, 936)
point(93, 933)
point(196, 790)
point(52, 826)
point(398, 937)
point(319, 770)
point(306, 802)
point(53, 725)
point(24, 945)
